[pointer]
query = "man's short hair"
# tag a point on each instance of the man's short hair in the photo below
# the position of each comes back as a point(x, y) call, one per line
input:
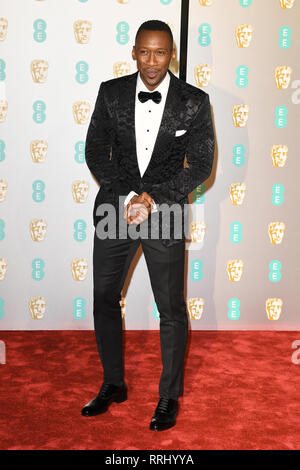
point(155, 25)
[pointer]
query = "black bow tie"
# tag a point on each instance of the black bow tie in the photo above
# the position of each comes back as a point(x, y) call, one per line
point(144, 96)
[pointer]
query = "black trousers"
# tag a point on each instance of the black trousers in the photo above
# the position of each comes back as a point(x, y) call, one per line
point(111, 261)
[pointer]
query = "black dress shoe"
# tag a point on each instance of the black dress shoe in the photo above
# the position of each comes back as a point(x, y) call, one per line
point(108, 393)
point(165, 414)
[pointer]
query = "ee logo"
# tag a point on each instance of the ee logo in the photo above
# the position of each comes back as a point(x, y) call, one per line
point(233, 309)
point(2, 148)
point(285, 33)
point(38, 269)
point(2, 70)
point(82, 72)
point(280, 119)
point(79, 230)
point(198, 194)
point(204, 34)
point(236, 232)
point(122, 30)
point(155, 312)
point(2, 233)
point(39, 108)
point(277, 194)
point(79, 308)
point(238, 158)
point(39, 27)
point(38, 187)
point(80, 152)
point(242, 76)
point(275, 274)
point(197, 270)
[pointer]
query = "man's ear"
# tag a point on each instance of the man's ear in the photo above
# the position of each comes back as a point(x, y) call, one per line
point(133, 53)
point(173, 54)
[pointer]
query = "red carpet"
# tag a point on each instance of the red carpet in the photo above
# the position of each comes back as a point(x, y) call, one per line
point(241, 392)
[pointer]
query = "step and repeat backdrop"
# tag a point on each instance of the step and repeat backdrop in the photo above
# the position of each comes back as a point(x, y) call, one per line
point(242, 251)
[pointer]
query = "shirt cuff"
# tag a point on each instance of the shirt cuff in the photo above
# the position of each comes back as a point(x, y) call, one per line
point(129, 196)
point(132, 193)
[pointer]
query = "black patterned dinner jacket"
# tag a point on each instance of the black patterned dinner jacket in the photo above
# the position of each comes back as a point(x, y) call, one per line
point(110, 149)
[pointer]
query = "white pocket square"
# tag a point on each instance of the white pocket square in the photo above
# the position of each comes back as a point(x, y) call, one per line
point(179, 133)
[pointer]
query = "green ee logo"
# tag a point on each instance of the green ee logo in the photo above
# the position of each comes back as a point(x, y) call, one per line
point(122, 30)
point(2, 148)
point(39, 27)
point(197, 270)
point(236, 232)
point(241, 76)
point(38, 194)
point(204, 34)
point(233, 309)
point(280, 116)
point(39, 108)
point(79, 230)
point(79, 308)
point(275, 274)
point(277, 194)
point(80, 152)
point(38, 269)
point(238, 158)
point(198, 194)
point(81, 72)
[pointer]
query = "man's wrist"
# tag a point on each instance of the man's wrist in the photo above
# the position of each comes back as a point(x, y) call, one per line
point(129, 196)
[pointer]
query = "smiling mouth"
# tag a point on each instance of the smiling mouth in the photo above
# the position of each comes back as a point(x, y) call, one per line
point(151, 73)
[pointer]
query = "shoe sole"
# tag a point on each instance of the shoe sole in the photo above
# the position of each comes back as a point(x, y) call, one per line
point(163, 427)
point(117, 399)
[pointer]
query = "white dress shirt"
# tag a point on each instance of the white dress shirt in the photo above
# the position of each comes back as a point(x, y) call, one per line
point(148, 117)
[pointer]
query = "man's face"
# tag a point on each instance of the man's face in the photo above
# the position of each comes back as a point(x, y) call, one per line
point(153, 53)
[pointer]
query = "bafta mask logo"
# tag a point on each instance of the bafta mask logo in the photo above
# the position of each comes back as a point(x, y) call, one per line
point(3, 29)
point(3, 110)
point(285, 4)
point(3, 189)
point(37, 307)
point(38, 150)
point(235, 269)
point(39, 70)
point(198, 230)
point(81, 112)
point(80, 191)
point(243, 34)
point(121, 69)
point(124, 2)
point(240, 113)
point(276, 232)
point(38, 229)
point(282, 75)
point(205, 3)
point(273, 308)
point(279, 155)
point(195, 307)
point(82, 31)
point(202, 74)
point(123, 306)
point(79, 267)
point(3, 267)
point(237, 193)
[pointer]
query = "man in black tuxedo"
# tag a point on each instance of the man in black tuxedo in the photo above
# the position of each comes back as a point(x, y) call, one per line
point(142, 127)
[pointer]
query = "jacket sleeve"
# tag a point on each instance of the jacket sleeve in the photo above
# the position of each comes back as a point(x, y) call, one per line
point(98, 148)
point(199, 154)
